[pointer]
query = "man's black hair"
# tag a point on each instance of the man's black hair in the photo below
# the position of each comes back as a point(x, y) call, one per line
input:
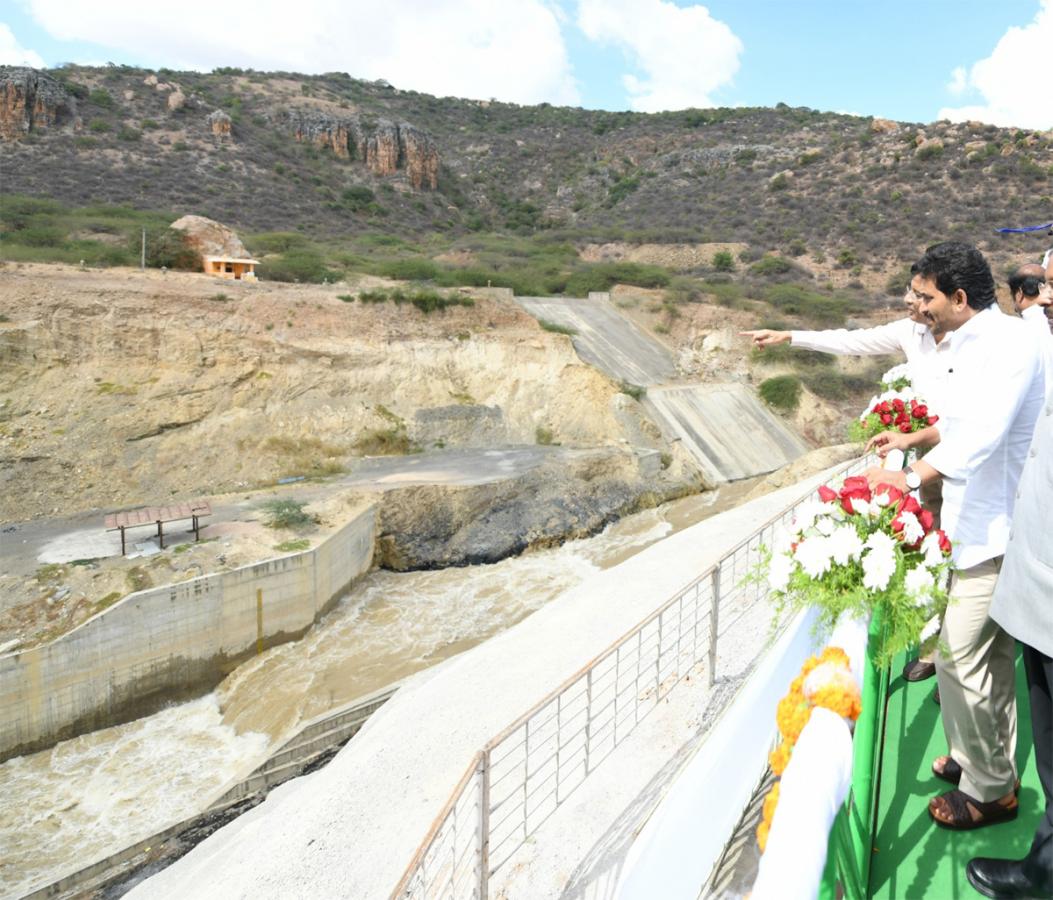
point(954, 266)
point(1029, 284)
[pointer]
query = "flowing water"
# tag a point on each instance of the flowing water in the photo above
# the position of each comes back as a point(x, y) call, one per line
point(91, 796)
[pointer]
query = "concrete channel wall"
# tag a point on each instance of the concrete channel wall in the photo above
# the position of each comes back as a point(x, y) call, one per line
point(171, 643)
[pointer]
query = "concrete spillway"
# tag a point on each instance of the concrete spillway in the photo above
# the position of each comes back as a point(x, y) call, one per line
point(728, 431)
point(606, 339)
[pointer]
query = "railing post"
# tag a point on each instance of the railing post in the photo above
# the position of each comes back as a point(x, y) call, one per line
point(484, 823)
point(714, 623)
point(588, 718)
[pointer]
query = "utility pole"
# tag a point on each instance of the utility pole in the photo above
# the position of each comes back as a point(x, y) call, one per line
point(142, 255)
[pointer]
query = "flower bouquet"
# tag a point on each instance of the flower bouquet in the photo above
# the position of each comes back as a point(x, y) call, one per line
point(859, 551)
point(898, 407)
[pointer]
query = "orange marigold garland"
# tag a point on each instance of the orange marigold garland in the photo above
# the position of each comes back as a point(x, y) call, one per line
point(825, 680)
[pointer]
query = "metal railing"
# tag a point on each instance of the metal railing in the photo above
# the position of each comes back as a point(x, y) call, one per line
point(525, 773)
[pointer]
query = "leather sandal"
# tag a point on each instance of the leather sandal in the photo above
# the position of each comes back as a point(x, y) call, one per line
point(918, 670)
point(958, 804)
point(951, 771)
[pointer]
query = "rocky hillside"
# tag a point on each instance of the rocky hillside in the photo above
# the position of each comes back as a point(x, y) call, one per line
point(329, 155)
point(122, 388)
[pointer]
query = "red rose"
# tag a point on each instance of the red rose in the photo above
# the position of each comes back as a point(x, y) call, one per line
point(827, 494)
point(945, 542)
point(920, 411)
point(886, 419)
point(905, 428)
point(932, 420)
point(909, 504)
point(926, 518)
point(894, 494)
point(855, 486)
point(897, 405)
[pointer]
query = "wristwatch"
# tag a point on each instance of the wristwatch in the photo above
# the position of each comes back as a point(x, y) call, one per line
point(913, 480)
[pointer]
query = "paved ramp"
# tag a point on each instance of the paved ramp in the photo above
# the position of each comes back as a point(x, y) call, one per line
point(725, 428)
point(606, 339)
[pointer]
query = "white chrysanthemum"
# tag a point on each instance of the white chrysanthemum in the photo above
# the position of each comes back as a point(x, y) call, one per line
point(895, 373)
point(930, 546)
point(918, 583)
point(813, 556)
point(845, 545)
point(906, 395)
point(881, 500)
point(863, 507)
point(912, 530)
point(779, 571)
point(825, 525)
point(879, 561)
point(808, 512)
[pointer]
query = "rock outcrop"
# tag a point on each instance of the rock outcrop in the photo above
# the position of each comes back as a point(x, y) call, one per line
point(31, 101)
point(385, 147)
point(210, 238)
point(219, 123)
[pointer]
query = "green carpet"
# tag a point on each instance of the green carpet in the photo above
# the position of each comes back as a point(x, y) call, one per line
point(913, 858)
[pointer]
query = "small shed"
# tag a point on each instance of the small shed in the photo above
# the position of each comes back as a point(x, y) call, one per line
point(232, 267)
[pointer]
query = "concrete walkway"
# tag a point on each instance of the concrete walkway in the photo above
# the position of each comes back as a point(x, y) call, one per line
point(24, 546)
point(350, 829)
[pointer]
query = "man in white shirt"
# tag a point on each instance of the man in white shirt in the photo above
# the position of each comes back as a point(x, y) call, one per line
point(996, 373)
point(921, 345)
point(911, 336)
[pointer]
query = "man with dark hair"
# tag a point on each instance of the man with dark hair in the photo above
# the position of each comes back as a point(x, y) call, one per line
point(995, 392)
point(922, 347)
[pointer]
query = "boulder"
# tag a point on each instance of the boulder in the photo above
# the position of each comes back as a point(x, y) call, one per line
point(219, 123)
point(884, 126)
point(211, 238)
point(32, 101)
point(176, 100)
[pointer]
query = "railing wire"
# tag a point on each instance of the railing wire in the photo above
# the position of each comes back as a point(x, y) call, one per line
point(525, 773)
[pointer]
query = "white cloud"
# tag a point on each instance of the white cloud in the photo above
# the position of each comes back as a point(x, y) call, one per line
point(14, 54)
point(683, 52)
point(465, 48)
point(1012, 80)
point(959, 81)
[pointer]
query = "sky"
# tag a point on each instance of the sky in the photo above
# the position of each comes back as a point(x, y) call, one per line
point(909, 60)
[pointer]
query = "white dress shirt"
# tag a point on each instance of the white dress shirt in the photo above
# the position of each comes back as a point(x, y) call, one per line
point(928, 374)
point(996, 389)
point(1035, 317)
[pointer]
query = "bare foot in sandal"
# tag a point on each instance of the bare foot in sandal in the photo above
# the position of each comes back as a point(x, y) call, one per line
point(946, 768)
point(959, 811)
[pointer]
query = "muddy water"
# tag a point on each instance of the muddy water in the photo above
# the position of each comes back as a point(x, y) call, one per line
point(84, 799)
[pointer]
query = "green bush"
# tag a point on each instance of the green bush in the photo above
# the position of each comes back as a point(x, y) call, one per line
point(773, 265)
point(358, 198)
point(723, 261)
point(636, 391)
point(129, 134)
point(276, 241)
point(821, 309)
point(101, 97)
point(556, 328)
point(783, 392)
point(301, 264)
point(416, 269)
point(286, 514)
point(603, 276)
point(166, 247)
point(98, 126)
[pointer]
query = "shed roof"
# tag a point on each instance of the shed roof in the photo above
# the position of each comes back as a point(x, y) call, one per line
point(232, 259)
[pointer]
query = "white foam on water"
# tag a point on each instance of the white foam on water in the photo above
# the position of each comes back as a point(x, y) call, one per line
point(88, 797)
point(94, 795)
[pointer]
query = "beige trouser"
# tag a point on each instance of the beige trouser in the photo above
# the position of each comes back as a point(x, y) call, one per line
point(932, 499)
point(977, 683)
